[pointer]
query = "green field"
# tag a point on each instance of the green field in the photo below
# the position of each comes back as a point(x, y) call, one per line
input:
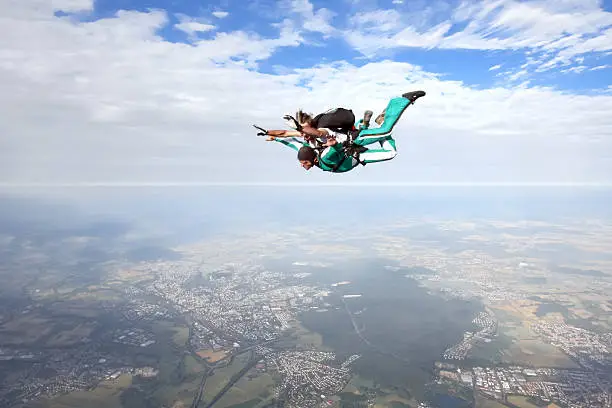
point(180, 336)
point(179, 373)
point(248, 392)
point(179, 381)
point(26, 329)
point(393, 400)
point(535, 352)
point(183, 393)
point(71, 336)
point(307, 339)
point(107, 394)
point(523, 402)
point(482, 402)
point(221, 376)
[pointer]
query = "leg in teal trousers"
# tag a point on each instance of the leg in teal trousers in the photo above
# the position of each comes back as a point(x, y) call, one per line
point(384, 134)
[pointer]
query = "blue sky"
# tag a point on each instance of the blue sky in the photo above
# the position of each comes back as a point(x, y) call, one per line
point(472, 66)
point(166, 91)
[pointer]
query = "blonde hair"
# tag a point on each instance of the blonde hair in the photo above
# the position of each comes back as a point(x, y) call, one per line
point(303, 117)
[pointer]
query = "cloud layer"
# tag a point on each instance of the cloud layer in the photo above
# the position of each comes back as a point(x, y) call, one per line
point(111, 100)
point(556, 32)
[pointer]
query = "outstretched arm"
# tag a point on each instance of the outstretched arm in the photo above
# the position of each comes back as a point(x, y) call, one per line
point(284, 133)
point(308, 133)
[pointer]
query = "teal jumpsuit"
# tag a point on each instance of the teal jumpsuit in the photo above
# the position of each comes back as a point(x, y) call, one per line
point(335, 159)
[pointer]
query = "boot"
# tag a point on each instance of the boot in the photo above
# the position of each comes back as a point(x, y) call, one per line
point(413, 96)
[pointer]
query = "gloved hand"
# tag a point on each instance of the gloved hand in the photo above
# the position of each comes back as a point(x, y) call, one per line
point(263, 132)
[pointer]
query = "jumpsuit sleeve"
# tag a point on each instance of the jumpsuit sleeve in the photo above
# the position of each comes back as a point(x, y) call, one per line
point(291, 142)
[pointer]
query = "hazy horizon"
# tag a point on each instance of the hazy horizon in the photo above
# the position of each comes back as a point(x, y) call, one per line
point(203, 212)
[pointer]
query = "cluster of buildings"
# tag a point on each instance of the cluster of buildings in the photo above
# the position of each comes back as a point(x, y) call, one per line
point(133, 337)
point(495, 282)
point(139, 309)
point(202, 338)
point(244, 304)
point(350, 360)
point(232, 308)
point(572, 388)
point(481, 289)
point(308, 377)
point(471, 276)
point(146, 372)
point(488, 329)
point(588, 348)
point(240, 306)
point(59, 371)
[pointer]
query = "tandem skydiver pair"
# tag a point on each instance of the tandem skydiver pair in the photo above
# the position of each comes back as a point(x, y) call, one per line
point(335, 142)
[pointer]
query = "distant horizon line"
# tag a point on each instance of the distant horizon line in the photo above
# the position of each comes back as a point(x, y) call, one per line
point(110, 184)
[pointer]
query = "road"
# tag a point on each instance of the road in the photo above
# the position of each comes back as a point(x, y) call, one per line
point(198, 397)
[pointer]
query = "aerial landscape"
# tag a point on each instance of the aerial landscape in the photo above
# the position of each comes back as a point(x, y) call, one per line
point(305, 204)
point(414, 313)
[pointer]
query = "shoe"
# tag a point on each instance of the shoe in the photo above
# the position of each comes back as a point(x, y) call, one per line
point(366, 118)
point(414, 95)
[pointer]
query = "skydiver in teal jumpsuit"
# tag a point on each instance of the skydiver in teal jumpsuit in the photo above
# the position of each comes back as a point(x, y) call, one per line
point(337, 157)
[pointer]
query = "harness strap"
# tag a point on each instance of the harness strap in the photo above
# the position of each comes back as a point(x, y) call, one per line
point(349, 148)
point(352, 149)
point(353, 152)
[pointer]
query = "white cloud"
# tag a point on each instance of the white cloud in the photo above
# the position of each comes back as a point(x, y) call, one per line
point(516, 75)
point(577, 69)
point(220, 14)
point(192, 25)
point(67, 6)
point(378, 21)
point(371, 44)
point(495, 67)
point(564, 29)
point(110, 102)
point(315, 21)
point(250, 47)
